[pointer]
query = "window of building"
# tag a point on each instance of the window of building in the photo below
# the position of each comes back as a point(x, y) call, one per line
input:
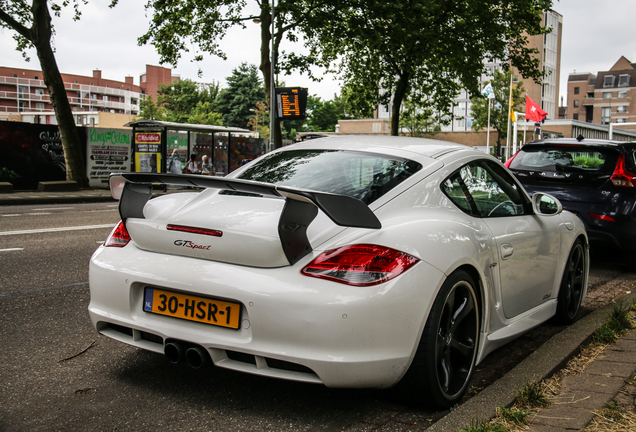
point(606, 115)
point(93, 96)
point(39, 92)
point(623, 80)
point(576, 104)
point(576, 90)
point(607, 95)
point(106, 98)
point(621, 109)
point(590, 95)
point(621, 120)
point(39, 106)
point(608, 81)
point(575, 116)
point(622, 94)
point(20, 106)
point(36, 77)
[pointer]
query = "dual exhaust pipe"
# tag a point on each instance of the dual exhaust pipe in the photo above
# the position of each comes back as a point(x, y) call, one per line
point(196, 356)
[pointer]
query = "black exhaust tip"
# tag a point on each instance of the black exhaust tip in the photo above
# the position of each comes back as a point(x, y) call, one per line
point(174, 352)
point(197, 357)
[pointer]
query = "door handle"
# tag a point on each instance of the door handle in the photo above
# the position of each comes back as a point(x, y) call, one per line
point(506, 250)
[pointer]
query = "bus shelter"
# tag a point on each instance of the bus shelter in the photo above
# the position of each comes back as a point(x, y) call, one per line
point(156, 144)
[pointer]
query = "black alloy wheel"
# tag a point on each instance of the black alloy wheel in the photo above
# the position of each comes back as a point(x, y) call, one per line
point(445, 359)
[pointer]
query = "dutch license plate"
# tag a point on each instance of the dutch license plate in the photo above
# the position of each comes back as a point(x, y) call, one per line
point(192, 308)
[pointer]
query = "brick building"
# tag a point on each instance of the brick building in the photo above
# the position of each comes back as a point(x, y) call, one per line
point(24, 96)
point(608, 97)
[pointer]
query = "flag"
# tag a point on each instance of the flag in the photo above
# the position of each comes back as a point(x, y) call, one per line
point(534, 111)
point(488, 91)
point(513, 117)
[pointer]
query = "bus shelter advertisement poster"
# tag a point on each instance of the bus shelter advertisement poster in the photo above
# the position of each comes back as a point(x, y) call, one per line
point(108, 151)
point(148, 152)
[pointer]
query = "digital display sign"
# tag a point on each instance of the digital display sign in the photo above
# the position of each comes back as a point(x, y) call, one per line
point(291, 103)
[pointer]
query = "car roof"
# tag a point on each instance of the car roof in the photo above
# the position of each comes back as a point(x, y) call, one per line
point(391, 145)
point(592, 142)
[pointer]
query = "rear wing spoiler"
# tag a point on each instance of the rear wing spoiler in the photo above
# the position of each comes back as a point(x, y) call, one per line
point(133, 190)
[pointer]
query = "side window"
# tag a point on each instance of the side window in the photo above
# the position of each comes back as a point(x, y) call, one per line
point(484, 189)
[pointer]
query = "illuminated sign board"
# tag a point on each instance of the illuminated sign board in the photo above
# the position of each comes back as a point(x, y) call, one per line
point(291, 103)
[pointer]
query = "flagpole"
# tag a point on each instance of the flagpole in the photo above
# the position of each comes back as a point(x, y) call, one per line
point(509, 118)
point(488, 130)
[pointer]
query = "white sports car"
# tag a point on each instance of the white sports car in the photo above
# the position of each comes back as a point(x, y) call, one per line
point(346, 261)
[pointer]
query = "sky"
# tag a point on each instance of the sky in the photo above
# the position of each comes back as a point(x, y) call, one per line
point(595, 35)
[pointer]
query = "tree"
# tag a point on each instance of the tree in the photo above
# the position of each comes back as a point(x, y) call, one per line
point(204, 114)
point(150, 111)
point(244, 90)
point(179, 99)
point(321, 116)
point(178, 25)
point(499, 111)
point(425, 51)
point(418, 121)
point(32, 24)
point(260, 123)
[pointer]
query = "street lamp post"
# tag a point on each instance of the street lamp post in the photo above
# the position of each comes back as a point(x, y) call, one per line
point(272, 108)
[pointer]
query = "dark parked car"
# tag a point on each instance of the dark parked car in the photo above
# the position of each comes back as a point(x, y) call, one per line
point(594, 178)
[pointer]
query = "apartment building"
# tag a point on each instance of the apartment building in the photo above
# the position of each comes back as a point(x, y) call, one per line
point(607, 97)
point(24, 96)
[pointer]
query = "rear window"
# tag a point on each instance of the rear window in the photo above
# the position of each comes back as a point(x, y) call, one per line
point(365, 176)
point(565, 159)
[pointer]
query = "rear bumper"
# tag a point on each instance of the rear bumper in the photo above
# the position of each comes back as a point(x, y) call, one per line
point(342, 336)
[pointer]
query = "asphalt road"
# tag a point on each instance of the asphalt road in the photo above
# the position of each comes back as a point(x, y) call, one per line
point(57, 374)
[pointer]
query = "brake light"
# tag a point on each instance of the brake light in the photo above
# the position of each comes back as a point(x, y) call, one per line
point(118, 237)
point(622, 177)
point(507, 164)
point(360, 265)
point(195, 230)
point(602, 217)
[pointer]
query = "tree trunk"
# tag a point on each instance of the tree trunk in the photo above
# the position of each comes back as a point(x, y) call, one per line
point(71, 144)
point(398, 97)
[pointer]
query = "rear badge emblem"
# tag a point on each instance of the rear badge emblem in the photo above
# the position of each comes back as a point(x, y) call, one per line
point(191, 245)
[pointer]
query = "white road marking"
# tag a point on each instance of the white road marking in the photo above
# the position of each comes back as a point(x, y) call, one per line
point(47, 230)
point(11, 249)
point(54, 208)
point(28, 214)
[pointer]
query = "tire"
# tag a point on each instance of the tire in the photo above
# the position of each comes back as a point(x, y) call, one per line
point(445, 357)
point(572, 285)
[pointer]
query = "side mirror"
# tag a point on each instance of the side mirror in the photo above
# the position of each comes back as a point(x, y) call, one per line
point(545, 204)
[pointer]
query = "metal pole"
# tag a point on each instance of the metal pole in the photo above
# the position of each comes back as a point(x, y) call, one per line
point(272, 108)
point(488, 130)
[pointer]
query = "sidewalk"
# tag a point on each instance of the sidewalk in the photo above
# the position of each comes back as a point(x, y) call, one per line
point(32, 197)
point(589, 391)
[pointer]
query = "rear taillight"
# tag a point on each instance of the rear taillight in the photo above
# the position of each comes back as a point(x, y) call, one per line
point(360, 265)
point(602, 217)
point(118, 237)
point(507, 164)
point(622, 177)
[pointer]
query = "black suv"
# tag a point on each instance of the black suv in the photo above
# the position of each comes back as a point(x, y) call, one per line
point(593, 178)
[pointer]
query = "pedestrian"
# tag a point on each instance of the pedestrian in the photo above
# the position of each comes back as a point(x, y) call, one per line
point(206, 168)
point(174, 163)
point(192, 168)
